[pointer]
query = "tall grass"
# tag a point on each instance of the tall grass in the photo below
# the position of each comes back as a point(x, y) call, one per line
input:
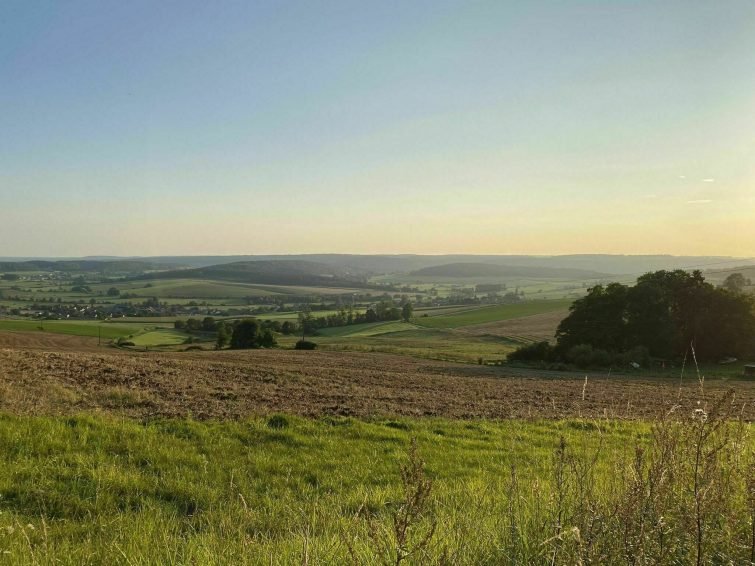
point(287, 490)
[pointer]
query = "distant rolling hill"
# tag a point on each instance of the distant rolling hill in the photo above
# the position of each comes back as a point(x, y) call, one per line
point(492, 270)
point(281, 272)
point(111, 267)
point(406, 263)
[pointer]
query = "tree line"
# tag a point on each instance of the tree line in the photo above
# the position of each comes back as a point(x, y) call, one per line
point(253, 333)
point(238, 334)
point(383, 311)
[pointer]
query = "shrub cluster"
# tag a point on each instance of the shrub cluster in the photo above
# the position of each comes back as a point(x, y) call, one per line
point(582, 356)
point(248, 334)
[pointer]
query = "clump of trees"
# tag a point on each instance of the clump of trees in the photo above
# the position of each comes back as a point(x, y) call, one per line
point(381, 312)
point(207, 324)
point(249, 334)
point(662, 316)
point(240, 334)
point(736, 283)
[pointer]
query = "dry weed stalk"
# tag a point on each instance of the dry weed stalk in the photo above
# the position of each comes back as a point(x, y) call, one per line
point(410, 534)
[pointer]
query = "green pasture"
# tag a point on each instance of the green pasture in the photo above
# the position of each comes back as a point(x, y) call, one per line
point(443, 310)
point(187, 289)
point(429, 343)
point(492, 314)
point(367, 329)
point(286, 490)
point(99, 490)
point(110, 330)
point(159, 337)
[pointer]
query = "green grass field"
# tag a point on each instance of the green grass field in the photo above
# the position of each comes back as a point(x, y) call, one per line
point(429, 343)
point(445, 310)
point(160, 337)
point(367, 329)
point(187, 289)
point(492, 314)
point(109, 330)
point(97, 490)
point(286, 490)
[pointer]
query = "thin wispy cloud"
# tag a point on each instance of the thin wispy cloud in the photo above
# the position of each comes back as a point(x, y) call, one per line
point(709, 180)
point(682, 176)
point(699, 201)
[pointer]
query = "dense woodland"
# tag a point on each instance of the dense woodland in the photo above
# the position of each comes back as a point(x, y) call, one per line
point(665, 316)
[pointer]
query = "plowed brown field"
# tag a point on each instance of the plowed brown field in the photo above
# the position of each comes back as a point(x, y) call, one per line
point(49, 341)
point(217, 385)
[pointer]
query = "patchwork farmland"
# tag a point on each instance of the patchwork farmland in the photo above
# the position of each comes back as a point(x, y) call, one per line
point(144, 439)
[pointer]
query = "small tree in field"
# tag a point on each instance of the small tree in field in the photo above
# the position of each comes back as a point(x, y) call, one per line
point(223, 336)
point(248, 334)
point(406, 312)
point(245, 335)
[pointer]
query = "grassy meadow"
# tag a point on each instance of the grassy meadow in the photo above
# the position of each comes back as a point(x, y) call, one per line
point(92, 328)
point(408, 340)
point(288, 490)
point(493, 313)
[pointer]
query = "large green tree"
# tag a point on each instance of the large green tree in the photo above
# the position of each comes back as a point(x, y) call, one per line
point(245, 335)
point(665, 312)
point(598, 319)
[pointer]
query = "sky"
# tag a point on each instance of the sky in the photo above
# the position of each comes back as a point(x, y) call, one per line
point(188, 127)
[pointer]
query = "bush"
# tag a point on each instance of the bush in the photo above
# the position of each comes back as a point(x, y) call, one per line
point(248, 334)
point(266, 339)
point(639, 355)
point(305, 345)
point(245, 335)
point(537, 352)
point(585, 356)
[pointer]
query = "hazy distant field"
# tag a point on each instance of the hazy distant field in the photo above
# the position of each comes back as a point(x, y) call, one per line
point(188, 289)
point(492, 314)
point(107, 330)
point(366, 329)
point(430, 336)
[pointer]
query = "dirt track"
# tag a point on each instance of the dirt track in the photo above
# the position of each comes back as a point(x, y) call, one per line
point(237, 384)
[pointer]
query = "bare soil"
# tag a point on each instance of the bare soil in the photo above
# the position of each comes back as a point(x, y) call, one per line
point(48, 341)
point(233, 385)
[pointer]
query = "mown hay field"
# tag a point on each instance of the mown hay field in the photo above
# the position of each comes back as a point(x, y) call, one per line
point(493, 313)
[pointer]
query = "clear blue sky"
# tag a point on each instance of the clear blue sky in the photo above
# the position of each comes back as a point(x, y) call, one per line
point(141, 128)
